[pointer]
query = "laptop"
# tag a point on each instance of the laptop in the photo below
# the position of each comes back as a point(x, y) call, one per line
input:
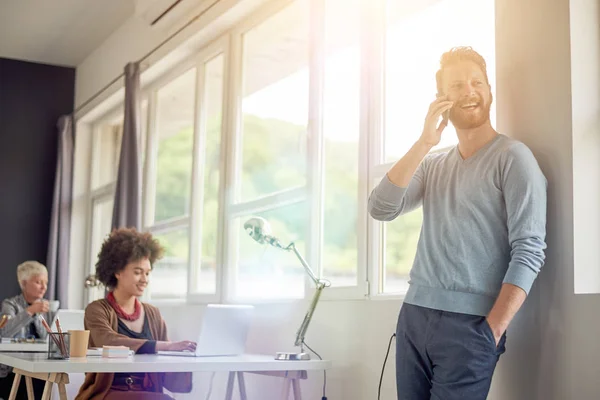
point(70, 320)
point(223, 332)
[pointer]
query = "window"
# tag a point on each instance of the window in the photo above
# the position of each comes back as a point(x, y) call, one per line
point(175, 131)
point(341, 123)
point(416, 35)
point(102, 209)
point(170, 192)
point(106, 141)
point(267, 272)
point(170, 274)
point(143, 131)
point(211, 108)
point(275, 104)
point(271, 169)
point(226, 136)
point(400, 240)
point(107, 144)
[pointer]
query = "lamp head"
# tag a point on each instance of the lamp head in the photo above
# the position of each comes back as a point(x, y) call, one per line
point(258, 228)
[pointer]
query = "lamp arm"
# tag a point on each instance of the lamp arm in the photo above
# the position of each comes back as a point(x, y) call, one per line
point(309, 314)
point(320, 285)
point(309, 271)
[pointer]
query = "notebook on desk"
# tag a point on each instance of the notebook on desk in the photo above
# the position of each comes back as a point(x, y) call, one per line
point(223, 332)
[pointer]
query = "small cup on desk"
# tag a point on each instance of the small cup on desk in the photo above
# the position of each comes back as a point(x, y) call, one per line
point(79, 343)
point(59, 346)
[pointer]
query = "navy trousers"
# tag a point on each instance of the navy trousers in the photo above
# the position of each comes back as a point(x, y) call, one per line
point(442, 355)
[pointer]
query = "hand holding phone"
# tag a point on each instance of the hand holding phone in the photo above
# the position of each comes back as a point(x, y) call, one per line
point(445, 114)
point(445, 117)
point(432, 129)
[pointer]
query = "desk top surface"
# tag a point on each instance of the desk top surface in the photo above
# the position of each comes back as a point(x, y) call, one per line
point(36, 362)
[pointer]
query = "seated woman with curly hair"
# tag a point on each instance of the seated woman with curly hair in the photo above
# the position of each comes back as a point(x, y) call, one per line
point(124, 264)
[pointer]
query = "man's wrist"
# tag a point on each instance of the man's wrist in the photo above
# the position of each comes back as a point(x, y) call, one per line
point(497, 328)
point(426, 147)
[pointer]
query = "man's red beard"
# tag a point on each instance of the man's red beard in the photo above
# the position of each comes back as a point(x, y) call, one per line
point(470, 113)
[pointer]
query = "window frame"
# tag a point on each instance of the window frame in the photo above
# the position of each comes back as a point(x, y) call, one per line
point(96, 194)
point(192, 220)
point(378, 166)
point(234, 209)
point(372, 166)
point(207, 54)
point(313, 191)
point(230, 45)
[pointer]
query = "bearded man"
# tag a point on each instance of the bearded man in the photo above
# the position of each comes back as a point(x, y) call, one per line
point(482, 242)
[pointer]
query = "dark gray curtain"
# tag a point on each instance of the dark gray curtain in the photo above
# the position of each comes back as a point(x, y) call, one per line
point(127, 205)
point(60, 224)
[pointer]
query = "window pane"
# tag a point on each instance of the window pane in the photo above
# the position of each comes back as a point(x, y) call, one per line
point(170, 274)
point(175, 126)
point(417, 35)
point(268, 272)
point(341, 133)
point(213, 98)
point(102, 209)
point(107, 145)
point(275, 103)
point(143, 132)
point(400, 237)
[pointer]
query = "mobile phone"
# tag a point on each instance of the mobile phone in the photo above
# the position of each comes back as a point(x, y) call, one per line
point(445, 114)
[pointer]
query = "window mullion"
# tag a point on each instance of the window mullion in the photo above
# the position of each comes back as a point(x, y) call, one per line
point(315, 161)
point(374, 63)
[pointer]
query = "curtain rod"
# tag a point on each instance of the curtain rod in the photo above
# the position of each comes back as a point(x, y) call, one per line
point(150, 53)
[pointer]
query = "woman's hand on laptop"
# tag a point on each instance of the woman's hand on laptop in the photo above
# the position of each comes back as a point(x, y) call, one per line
point(184, 345)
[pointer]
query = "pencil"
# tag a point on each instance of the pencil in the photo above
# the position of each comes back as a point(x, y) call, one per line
point(62, 339)
point(47, 327)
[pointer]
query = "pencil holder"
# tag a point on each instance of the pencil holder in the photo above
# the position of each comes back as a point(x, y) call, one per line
point(59, 345)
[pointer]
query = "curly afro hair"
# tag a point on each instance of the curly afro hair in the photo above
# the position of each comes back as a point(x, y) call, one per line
point(121, 247)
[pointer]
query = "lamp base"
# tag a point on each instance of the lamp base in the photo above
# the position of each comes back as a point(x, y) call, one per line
point(292, 356)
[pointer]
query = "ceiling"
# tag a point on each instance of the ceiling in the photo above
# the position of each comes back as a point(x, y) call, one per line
point(60, 32)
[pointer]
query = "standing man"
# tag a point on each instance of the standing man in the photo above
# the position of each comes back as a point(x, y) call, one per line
point(482, 241)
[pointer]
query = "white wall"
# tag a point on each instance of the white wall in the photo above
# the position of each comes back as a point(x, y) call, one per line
point(355, 339)
point(582, 338)
point(585, 55)
point(547, 96)
point(534, 105)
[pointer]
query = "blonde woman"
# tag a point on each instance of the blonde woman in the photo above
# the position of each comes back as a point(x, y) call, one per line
point(22, 311)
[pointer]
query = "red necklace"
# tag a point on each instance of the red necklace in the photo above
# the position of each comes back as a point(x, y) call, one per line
point(137, 310)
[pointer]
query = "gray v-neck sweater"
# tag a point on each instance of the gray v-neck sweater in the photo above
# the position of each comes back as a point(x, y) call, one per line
point(484, 224)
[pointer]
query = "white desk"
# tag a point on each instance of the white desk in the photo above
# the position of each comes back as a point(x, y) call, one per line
point(24, 347)
point(56, 371)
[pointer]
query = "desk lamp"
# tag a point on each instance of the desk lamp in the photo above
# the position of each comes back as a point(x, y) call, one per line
point(259, 230)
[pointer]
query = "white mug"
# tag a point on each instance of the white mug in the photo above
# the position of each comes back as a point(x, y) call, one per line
point(54, 304)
